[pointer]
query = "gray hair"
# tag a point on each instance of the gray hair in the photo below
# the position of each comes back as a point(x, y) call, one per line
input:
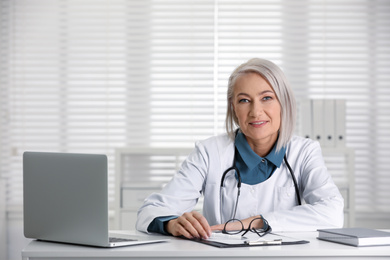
point(278, 81)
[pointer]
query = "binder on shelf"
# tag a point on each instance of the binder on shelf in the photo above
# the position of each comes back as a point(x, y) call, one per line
point(340, 122)
point(323, 120)
point(306, 118)
point(329, 122)
point(317, 119)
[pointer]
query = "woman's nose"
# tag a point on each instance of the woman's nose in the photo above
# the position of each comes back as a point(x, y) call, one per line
point(256, 109)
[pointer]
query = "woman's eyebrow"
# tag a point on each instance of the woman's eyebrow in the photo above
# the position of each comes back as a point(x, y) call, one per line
point(259, 94)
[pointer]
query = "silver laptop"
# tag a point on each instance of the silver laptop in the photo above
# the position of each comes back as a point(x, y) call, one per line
point(66, 200)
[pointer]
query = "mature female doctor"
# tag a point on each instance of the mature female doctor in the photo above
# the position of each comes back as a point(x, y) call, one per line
point(258, 173)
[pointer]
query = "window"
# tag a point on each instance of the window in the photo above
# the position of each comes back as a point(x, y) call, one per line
point(91, 76)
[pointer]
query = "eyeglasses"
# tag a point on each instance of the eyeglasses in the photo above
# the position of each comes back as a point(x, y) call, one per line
point(260, 232)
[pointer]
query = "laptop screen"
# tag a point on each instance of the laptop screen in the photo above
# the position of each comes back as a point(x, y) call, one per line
point(65, 197)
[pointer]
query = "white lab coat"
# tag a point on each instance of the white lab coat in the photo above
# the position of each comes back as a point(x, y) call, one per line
point(274, 199)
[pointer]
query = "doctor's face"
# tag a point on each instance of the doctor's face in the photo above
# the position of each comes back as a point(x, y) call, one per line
point(257, 109)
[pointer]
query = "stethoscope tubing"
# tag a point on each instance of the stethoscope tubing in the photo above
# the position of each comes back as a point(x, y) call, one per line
point(233, 167)
point(294, 180)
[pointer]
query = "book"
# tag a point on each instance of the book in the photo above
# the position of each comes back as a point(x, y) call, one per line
point(355, 236)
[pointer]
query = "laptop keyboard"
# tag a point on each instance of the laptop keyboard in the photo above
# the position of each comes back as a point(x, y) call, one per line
point(117, 239)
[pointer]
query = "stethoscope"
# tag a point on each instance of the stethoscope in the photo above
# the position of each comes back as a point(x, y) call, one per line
point(235, 169)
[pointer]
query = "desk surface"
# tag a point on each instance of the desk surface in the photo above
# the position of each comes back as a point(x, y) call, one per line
point(180, 248)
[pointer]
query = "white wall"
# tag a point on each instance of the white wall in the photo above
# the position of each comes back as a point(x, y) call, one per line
point(3, 222)
point(378, 221)
point(16, 240)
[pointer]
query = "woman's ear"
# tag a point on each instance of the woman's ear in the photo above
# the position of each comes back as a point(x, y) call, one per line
point(232, 104)
point(235, 118)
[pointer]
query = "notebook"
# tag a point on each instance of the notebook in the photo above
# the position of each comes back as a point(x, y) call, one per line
point(65, 199)
point(355, 236)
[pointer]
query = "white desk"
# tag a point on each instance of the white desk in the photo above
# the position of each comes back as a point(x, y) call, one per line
point(184, 249)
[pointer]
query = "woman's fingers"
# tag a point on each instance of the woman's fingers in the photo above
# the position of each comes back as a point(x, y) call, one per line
point(201, 225)
point(191, 225)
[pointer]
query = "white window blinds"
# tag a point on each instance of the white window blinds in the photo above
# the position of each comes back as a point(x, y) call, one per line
point(90, 76)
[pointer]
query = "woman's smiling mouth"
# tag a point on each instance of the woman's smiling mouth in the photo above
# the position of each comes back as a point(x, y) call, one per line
point(258, 123)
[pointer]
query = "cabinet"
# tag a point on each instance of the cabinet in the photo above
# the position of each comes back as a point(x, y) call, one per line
point(340, 162)
point(139, 172)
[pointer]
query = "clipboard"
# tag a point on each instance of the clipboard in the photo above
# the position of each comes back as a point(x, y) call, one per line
point(270, 239)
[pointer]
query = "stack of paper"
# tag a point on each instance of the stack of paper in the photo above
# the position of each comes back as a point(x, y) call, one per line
point(250, 239)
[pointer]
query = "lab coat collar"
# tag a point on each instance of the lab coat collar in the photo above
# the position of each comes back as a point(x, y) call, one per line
point(251, 159)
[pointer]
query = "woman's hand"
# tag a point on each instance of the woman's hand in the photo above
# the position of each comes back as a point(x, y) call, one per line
point(191, 225)
point(235, 225)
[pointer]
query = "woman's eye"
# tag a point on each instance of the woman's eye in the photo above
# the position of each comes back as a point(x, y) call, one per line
point(267, 98)
point(243, 100)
